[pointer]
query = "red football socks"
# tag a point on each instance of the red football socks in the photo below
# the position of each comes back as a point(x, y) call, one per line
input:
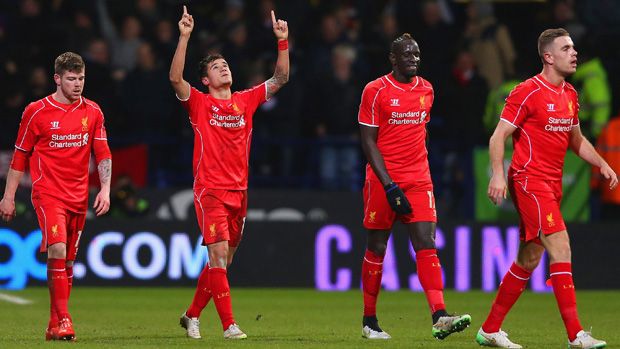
point(510, 289)
point(201, 296)
point(58, 287)
point(69, 280)
point(564, 290)
point(220, 291)
point(429, 273)
point(372, 269)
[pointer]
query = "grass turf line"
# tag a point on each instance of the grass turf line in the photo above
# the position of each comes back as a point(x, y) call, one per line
point(291, 318)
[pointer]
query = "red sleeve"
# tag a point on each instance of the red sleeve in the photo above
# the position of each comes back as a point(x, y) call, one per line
point(19, 161)
point(100, 144)
point(369, 106)
point(576, 112)
point(192, 103)
point(27, 134)
point(516, 108)
point(254, 97)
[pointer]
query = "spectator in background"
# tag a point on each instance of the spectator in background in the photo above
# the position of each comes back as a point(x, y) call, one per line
point(608, 146)
point(490, 43)
point(125, 201)
point(124, 46)
point(339, 92)
point(591, 82)
point(164, 42)
point(38, 84)
point(146, 97)
point(434, 33)
point(464, 97)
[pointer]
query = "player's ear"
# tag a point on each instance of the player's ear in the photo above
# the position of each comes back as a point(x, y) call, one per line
point(548, 58)
point(57, 79)
point(392, 58)
point(205, 80)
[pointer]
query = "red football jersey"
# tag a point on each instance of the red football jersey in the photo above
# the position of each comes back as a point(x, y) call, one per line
point(544, 115)
point(60, 137)
point(401, 112)
point(222, 136)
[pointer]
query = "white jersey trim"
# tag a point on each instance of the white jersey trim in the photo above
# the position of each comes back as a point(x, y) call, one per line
point(508, 122)
point(28, 126)
point(188, 95)
point(522, 103)
point(369, 125)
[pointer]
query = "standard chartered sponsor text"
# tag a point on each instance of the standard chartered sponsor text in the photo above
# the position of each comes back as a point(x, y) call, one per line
point(407, 118)
point(69, 140)
point(225, 120)
point(559, 124)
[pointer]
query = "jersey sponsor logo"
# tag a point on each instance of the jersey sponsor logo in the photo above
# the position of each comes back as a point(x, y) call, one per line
point(550, 220)
point(227, 121)
point(55, 125)
point(558, 124)
point(394, 102)
point(550, 107)
point(407, 118)
point(85, 123)
point(69, 140)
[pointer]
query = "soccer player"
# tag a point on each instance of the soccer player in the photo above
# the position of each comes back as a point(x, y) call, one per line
point(222, 123)
point(393, 115)
point(56, 135)
point(541, 115)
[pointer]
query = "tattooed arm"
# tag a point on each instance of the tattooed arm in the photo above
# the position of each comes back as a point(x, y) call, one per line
point(280, 75)
point(102, 201)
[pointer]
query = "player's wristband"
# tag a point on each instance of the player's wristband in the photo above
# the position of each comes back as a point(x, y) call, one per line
point(282, 45)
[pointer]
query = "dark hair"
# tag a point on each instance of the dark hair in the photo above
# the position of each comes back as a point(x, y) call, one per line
point(398, 40)
point(68, 61)
point(546, 38)
point(204, 63)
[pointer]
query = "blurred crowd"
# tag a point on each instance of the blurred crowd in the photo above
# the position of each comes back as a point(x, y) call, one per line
point(473, 52)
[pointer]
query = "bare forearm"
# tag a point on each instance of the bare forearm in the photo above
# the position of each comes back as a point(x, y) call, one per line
point(585, 150)
point(105, 174)
point(280, 75)
point(178, 61)
point(12, 182)
point(496, 154)
point(375, 159)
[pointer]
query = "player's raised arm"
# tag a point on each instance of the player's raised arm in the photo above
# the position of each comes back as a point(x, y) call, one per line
point(280, 75)
point(180, 86)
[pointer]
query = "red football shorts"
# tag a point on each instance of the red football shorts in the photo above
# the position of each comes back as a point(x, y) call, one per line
point(538, 204)
point(221, 214)
point(60, 225)
point(379, 215)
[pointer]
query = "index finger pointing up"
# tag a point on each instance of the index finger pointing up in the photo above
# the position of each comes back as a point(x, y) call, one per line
point(273, 17)
point(184, 9)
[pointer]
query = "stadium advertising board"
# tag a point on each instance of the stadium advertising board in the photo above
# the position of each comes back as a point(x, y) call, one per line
point(285, 254)
point(291, 239)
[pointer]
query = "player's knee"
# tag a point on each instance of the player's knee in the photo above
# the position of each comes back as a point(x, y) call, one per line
point(57, 251)
point(377, 248)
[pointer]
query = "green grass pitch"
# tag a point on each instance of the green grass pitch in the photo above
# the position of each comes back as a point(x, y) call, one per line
point(291, 318)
